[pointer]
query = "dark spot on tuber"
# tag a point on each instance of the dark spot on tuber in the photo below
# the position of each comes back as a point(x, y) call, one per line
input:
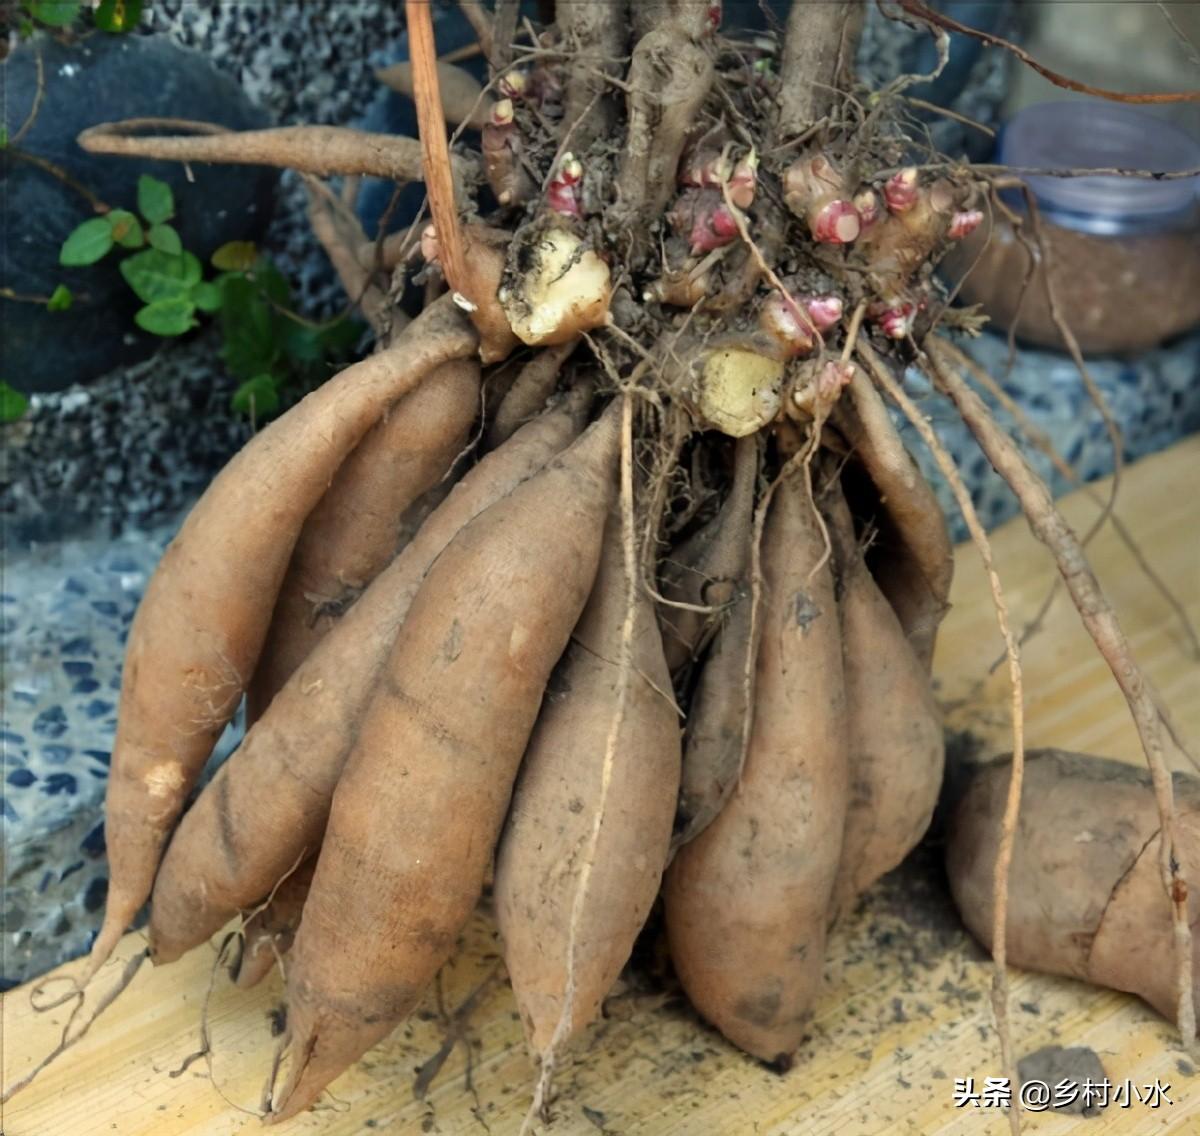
point(760, 1009)
point(806, 611)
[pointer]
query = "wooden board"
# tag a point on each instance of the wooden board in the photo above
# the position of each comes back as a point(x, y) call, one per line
point(905, 1010)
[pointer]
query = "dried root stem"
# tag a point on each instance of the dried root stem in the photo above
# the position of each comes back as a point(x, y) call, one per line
point(320, 150)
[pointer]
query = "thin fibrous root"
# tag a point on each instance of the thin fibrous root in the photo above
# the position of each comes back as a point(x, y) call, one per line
point(321, 150)
point(1000, 994)
point(923, 12)
point(1043, 442)
point(433, 147)
point(67, 1040)
point(625, 677)
point(1101, 622)
point(456, 1030)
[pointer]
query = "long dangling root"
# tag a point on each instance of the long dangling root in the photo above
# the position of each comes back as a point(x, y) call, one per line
point(962, 497)
point(1043, 442)
point(1103, 626)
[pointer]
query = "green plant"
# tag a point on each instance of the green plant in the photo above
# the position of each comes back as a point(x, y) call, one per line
point(13, 403)
point(265, 344)
point(108, 16)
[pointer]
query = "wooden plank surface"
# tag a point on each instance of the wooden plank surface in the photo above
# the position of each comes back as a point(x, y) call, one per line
point(905, 1009)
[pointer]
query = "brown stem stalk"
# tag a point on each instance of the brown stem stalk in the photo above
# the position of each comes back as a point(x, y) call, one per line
point(818, 49)
point(435, 150)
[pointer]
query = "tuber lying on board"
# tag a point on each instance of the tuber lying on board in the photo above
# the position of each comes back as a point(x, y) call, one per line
point(580, 861)
point(1085, 895)
point(747, 901)
point(267, 805)
point(351, 536)
point(895, 727)
point(423, 795)
point(198, 631)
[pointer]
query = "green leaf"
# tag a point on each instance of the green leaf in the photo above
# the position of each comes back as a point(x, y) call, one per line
point(167, 317)
point(54, 13)
point(117, 15)
point(13, 403)
point(126, 229)
point(87, 244)
point(306, 346)
point(258, 396)
point(165, 239)
point(3, 135)
point(339, 338)
point(300, 343)
point(155, 200)
point(273, 283)
point(207, 296)
point(60, 299)
point(248, 327)
point(155, 275)
point(235, 256)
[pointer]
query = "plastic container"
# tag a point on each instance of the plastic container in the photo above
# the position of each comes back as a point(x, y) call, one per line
point(1123, 253)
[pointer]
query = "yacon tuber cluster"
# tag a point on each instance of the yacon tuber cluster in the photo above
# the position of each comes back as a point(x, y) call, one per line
point(608, 572)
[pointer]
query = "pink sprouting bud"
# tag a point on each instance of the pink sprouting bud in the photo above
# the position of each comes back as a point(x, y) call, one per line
point(723, 224)
point(714, 15)
point(782, 319)
point(712, 229)
point(744, 181)
point(704, 217)
point(900, 190)
point(562, 194)
point(835, 223)
point(561, 198)
point(824, 311)
point(964, 222)
point(501, 113)
point(834, 377)
point(513, 85)
point(430, 248)
point(894, 320)
point(867, 205)
point(570, 170)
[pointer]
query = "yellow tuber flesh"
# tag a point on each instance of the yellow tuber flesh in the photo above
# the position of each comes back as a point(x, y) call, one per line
point(739, 390)
point(565, 290)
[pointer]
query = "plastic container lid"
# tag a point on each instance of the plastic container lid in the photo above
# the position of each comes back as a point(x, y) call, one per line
point(1100, 135)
